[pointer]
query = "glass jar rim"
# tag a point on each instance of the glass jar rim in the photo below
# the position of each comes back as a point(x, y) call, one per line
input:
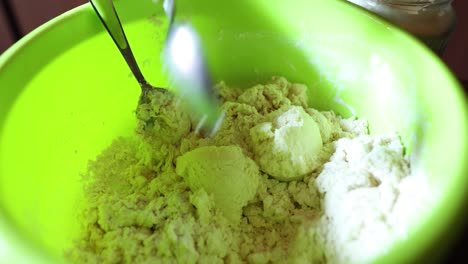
point(415, 2)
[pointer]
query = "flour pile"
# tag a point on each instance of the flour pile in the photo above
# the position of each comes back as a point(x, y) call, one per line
point(280, 182)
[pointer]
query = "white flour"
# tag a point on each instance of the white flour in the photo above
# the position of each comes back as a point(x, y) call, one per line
point(367, 204)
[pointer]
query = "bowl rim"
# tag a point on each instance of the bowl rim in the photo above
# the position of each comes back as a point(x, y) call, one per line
point(14, 244)
point(10, 53)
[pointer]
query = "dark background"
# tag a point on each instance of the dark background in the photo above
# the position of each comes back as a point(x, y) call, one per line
point(19, 17)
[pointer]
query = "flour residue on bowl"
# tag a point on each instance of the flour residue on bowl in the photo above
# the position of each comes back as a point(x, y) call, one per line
point(279, 182)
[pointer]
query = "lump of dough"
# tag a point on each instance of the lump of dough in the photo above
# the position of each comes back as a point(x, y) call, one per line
point(163, 118)
point(287, 146)
point(224, 172)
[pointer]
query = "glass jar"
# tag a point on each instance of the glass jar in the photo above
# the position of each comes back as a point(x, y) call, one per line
point(432, 21)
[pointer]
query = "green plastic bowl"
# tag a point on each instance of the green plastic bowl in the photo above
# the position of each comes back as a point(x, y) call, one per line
point(65, 94)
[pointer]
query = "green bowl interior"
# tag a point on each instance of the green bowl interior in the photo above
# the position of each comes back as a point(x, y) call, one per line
point(65, 94)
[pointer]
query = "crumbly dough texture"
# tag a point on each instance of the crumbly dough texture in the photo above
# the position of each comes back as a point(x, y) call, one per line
point(288, 145)
point(169, 195)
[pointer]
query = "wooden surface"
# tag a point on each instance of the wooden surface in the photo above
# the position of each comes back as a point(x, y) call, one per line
point(6, 38)
point(456, 54)
point(32, 13)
